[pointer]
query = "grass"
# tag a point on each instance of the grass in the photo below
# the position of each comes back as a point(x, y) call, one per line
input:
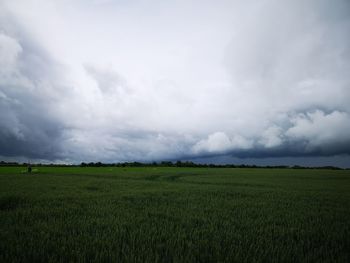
point(91, 214)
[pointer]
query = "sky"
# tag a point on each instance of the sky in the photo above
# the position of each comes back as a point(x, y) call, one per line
point(256, 81)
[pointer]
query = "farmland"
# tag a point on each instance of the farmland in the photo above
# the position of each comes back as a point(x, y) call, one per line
point(162, 214)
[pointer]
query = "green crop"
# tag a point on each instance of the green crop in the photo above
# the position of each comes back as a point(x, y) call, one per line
point(159, 214)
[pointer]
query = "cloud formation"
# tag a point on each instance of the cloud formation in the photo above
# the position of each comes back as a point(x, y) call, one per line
point(29, 126)
point(122, 81)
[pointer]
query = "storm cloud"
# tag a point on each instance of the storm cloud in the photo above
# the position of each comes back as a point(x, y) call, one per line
point(147, 80)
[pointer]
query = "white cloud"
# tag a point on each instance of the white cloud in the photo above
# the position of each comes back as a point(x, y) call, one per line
point(219, 142)
point(131, 80)
point(271, 137)
point(321, 130)
point(9, 52)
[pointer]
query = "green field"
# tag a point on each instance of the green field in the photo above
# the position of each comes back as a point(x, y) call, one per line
point(74, 214)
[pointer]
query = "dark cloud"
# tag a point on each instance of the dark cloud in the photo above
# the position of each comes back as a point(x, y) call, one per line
point(28, 125)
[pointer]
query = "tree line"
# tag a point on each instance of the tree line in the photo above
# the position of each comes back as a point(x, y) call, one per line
point(170, 164)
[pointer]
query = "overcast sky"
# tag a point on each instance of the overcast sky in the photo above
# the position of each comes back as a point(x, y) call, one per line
point(137, 80)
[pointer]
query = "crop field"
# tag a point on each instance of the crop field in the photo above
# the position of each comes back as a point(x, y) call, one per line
point(160, 214)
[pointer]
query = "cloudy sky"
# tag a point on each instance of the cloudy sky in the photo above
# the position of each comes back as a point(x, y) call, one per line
point(263, 81)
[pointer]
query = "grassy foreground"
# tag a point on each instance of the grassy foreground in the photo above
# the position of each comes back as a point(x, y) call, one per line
point(89, 214)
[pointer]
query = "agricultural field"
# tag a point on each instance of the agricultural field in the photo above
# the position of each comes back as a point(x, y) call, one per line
point(160, 214)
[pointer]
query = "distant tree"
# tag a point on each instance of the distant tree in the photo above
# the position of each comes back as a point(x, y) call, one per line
point(178, 164)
